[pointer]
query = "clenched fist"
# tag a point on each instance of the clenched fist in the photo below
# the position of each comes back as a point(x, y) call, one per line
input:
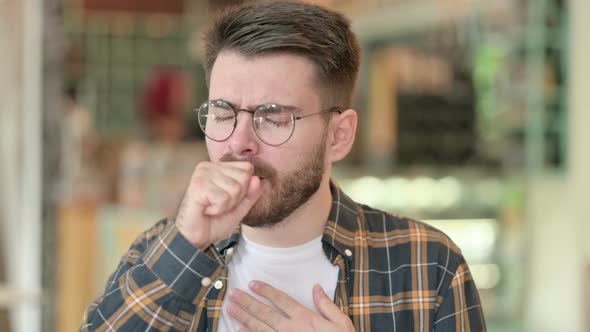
point(219, 195)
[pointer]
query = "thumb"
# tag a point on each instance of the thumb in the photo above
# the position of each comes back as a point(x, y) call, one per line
point(253, 194)
point(326, 306)
point(254, 190)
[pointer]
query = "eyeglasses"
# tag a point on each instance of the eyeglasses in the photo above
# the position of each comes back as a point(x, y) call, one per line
point(274, 124)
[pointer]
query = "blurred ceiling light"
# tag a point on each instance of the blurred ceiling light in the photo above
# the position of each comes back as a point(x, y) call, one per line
point(489, 192)
point(396, 192)
point(475, 237)
point(368, 190)
point(448, 193)
point(421, 192)
point(486, 276)
point(396, 189)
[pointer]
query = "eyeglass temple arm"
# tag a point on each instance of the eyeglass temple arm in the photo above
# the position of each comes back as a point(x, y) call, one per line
point(333, 109)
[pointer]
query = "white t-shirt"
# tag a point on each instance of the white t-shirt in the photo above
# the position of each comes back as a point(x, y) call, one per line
point(293, 270)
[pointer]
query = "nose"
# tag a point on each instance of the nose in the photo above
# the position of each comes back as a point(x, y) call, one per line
point(244, 142)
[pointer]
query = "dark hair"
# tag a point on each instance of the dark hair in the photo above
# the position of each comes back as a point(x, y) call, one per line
point(321, 35)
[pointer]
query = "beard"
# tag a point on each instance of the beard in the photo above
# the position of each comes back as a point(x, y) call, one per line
point(288, 191)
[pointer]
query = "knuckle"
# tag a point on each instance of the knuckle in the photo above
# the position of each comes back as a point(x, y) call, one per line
point(244, 173)
point(245, 180)
point(234, 188)
point(270, 314)
point(224, 198)
point(244, 303)
point(246, 168)
point(309, 320)
point(268, 310)
point(200, 179)
point(197, 182)
point(204, 165)
point(249, 321)
point(298, 312)
point(249, 168)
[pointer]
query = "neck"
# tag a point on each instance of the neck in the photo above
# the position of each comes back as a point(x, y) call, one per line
point(303, 225)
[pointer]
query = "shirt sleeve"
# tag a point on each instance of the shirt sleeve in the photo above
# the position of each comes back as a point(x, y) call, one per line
point(460, 308)
point(158, 283)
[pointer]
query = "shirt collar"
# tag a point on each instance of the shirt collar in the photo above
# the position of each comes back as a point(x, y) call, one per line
point(342, 224)
point(230, 242)
point(340, 230)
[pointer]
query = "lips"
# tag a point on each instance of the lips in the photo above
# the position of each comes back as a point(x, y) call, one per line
point(262, 175)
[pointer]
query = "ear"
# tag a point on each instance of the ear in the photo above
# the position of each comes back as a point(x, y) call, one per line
point(342, 134)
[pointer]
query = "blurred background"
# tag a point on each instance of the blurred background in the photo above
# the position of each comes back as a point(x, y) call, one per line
point(472, 118)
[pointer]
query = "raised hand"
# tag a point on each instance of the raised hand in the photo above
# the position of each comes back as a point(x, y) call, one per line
point(218, 197)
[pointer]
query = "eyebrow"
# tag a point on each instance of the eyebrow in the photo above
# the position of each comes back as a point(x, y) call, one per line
point(253, 107)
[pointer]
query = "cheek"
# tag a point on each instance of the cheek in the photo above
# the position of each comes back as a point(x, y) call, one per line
point(291, 159)
point(280, 161)
point(215, 150)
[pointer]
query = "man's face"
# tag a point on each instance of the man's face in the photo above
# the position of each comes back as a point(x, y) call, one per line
point(292, 172)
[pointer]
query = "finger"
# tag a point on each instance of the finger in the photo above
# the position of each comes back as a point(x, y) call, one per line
point(280, 299)
point(241, 175)
point(328, 308)
point(254, 190)
point(260, 311)
point(249, 321)
point(233, 177)
point(216, 200)
point(252, 195)
point(237, 169)
point(235, 190)
point(207, 183)
point(238, 166)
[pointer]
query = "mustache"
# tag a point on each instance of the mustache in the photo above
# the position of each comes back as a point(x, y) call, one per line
point(261, 168)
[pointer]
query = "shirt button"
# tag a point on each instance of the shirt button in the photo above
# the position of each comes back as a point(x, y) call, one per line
point(218, 284)
point(229, 251)
point(205, 282)
point(348, 252)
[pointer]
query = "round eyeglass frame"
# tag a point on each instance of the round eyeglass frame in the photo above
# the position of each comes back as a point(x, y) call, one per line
point(294, 119)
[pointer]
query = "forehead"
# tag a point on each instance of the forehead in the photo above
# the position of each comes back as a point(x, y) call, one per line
point(281, 78)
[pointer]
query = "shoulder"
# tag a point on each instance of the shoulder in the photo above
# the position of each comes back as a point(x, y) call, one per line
point(407, 235)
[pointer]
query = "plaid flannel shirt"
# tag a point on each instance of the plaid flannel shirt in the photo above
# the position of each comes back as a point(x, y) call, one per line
point(396, 274)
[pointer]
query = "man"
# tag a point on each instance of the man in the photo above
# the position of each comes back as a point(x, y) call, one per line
point(263, 240)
